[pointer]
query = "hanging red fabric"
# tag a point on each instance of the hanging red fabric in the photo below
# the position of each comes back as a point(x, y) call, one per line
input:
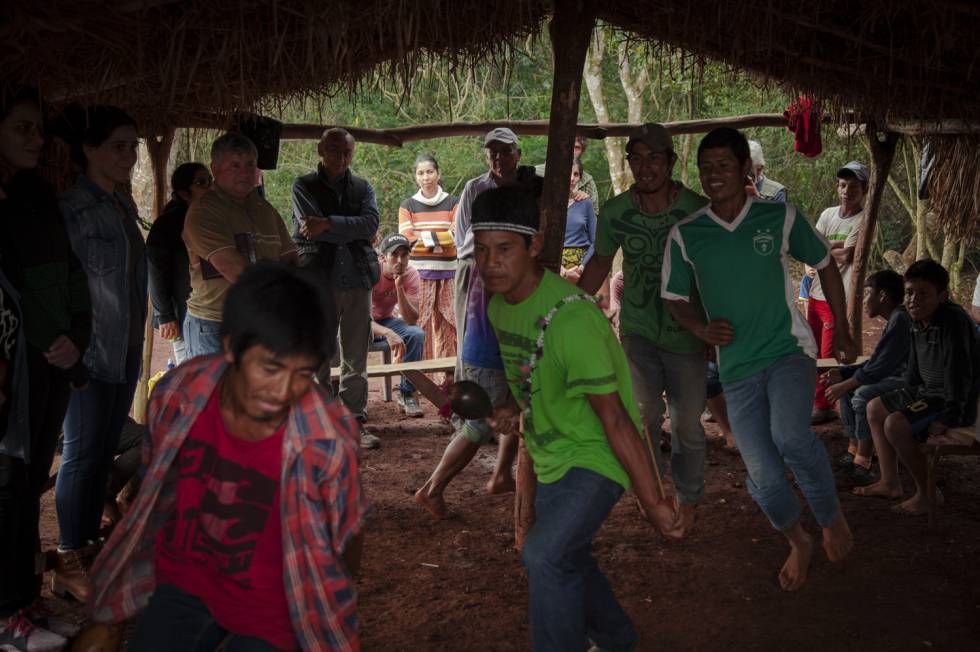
point(804, 118)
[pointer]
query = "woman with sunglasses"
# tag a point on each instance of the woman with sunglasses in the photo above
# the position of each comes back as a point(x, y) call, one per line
point(170, 281)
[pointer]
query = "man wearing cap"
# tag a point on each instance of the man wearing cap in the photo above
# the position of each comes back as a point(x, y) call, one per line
point(765, 187)
point(663, 356)
point(399, 285)
point(503, 157)
point(842, 226)
point(580, 424)
point(335, 216)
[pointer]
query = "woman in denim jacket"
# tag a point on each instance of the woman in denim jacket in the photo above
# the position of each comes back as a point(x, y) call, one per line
point(102, 224)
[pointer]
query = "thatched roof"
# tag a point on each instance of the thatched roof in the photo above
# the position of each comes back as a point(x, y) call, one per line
point(165, 59)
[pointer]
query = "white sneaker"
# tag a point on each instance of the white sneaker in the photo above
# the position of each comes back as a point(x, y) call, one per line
point(409, 404)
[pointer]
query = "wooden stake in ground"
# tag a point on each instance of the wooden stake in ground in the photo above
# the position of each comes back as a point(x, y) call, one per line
point(654, 468)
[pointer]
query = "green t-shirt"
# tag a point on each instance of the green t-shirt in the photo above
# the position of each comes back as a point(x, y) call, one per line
point(742, 274)
point(642, 237)
point(580, 356)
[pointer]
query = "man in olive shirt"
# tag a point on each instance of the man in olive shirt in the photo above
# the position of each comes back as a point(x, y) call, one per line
point(227, 229)
point(663, 356)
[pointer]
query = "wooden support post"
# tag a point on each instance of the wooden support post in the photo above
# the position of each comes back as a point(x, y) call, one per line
point(159, 150)
point(882, 155)
point(570, 29)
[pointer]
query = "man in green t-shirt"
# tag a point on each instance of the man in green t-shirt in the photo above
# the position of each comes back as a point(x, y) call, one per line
point(736, 253)
point(580, 424)
point(664, 356)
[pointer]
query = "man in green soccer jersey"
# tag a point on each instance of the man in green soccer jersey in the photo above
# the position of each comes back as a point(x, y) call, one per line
point(735, 252)
point(580, 425)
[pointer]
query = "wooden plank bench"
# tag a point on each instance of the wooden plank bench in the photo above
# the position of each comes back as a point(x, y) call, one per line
point(831, 363)
point(412, 369)
point(955, 441)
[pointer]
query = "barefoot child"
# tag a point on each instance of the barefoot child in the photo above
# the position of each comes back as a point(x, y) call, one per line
point(943, 378)
point(734, 253)
point(571, 382)
point(855, 385)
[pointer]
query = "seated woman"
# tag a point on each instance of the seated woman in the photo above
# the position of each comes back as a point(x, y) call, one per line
point(580, 229)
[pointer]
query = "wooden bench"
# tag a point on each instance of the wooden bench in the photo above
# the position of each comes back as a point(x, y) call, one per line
point(831, 363)
point(955, 441)
point(414, 370)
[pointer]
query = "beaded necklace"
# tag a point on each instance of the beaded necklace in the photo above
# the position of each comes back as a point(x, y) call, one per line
point(528, 365)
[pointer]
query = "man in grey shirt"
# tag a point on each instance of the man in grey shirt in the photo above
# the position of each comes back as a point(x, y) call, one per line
point(336, 216)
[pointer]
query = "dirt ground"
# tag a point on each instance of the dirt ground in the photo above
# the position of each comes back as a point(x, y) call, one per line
point(458, 584)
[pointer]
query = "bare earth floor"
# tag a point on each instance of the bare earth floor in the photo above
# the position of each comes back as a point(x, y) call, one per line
point(458, 584)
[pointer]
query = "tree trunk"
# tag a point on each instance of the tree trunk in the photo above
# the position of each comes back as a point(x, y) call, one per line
point(882, 155)
point(592, 75)
point(570, 32)
point(159, 151)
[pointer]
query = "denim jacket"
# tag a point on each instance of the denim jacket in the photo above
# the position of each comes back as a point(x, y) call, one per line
point(98, 238)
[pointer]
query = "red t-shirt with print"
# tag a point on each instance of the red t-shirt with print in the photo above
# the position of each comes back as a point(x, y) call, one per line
point(223, 542)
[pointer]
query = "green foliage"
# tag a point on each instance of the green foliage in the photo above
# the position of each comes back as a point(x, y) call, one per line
point(523, 92)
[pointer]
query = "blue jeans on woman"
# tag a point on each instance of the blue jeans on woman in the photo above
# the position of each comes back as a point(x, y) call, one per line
point(571, 600)
point(177, 620)
point(92, 426)
point(770, 417)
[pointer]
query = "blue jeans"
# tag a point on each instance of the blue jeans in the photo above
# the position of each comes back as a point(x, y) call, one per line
point(683, 376)
point(177, 620)
point(92, 427)
point(414, 338)
point(201, 336)
point(854, 406)
point(570, 599)
point(770, 417)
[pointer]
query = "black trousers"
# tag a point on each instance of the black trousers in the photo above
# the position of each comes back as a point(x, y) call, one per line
point(21, 485)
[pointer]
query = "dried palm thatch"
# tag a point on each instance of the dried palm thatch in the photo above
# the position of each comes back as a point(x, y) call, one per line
point(954, 185)
point(164, 59)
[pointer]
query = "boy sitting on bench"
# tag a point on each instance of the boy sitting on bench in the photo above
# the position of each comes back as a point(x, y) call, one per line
point(943, 379)
point(855, 385)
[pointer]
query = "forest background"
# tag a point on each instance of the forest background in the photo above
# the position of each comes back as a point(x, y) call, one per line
point(623, 83)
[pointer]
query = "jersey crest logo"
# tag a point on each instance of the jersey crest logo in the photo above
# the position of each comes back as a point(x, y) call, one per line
point(762, 242)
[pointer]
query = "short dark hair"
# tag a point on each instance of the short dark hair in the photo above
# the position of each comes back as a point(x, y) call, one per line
point(92, 126)
point(281, 308)
point(930, 271)
point(15, 95)
point(890, 282)
point(183, 177)
point(733, 139)
point(515, 205)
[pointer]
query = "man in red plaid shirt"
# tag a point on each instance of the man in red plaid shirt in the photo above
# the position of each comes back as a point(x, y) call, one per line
point(247, 529)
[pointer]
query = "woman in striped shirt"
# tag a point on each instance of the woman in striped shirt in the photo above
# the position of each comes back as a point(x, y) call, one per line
point(427, 219)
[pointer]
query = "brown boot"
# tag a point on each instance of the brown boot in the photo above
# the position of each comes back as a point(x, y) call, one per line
point(71, 576)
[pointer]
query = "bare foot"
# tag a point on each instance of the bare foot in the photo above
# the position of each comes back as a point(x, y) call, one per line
point(664, 518)
point(917, 504)
point(502, 485)
point(837, 539)
point(793, 573)
point(880, 490)
point(685, 519)
point(435, 504)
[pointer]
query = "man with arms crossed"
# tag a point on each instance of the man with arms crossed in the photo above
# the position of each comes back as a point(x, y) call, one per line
point(735, 253)
point(580, 423)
